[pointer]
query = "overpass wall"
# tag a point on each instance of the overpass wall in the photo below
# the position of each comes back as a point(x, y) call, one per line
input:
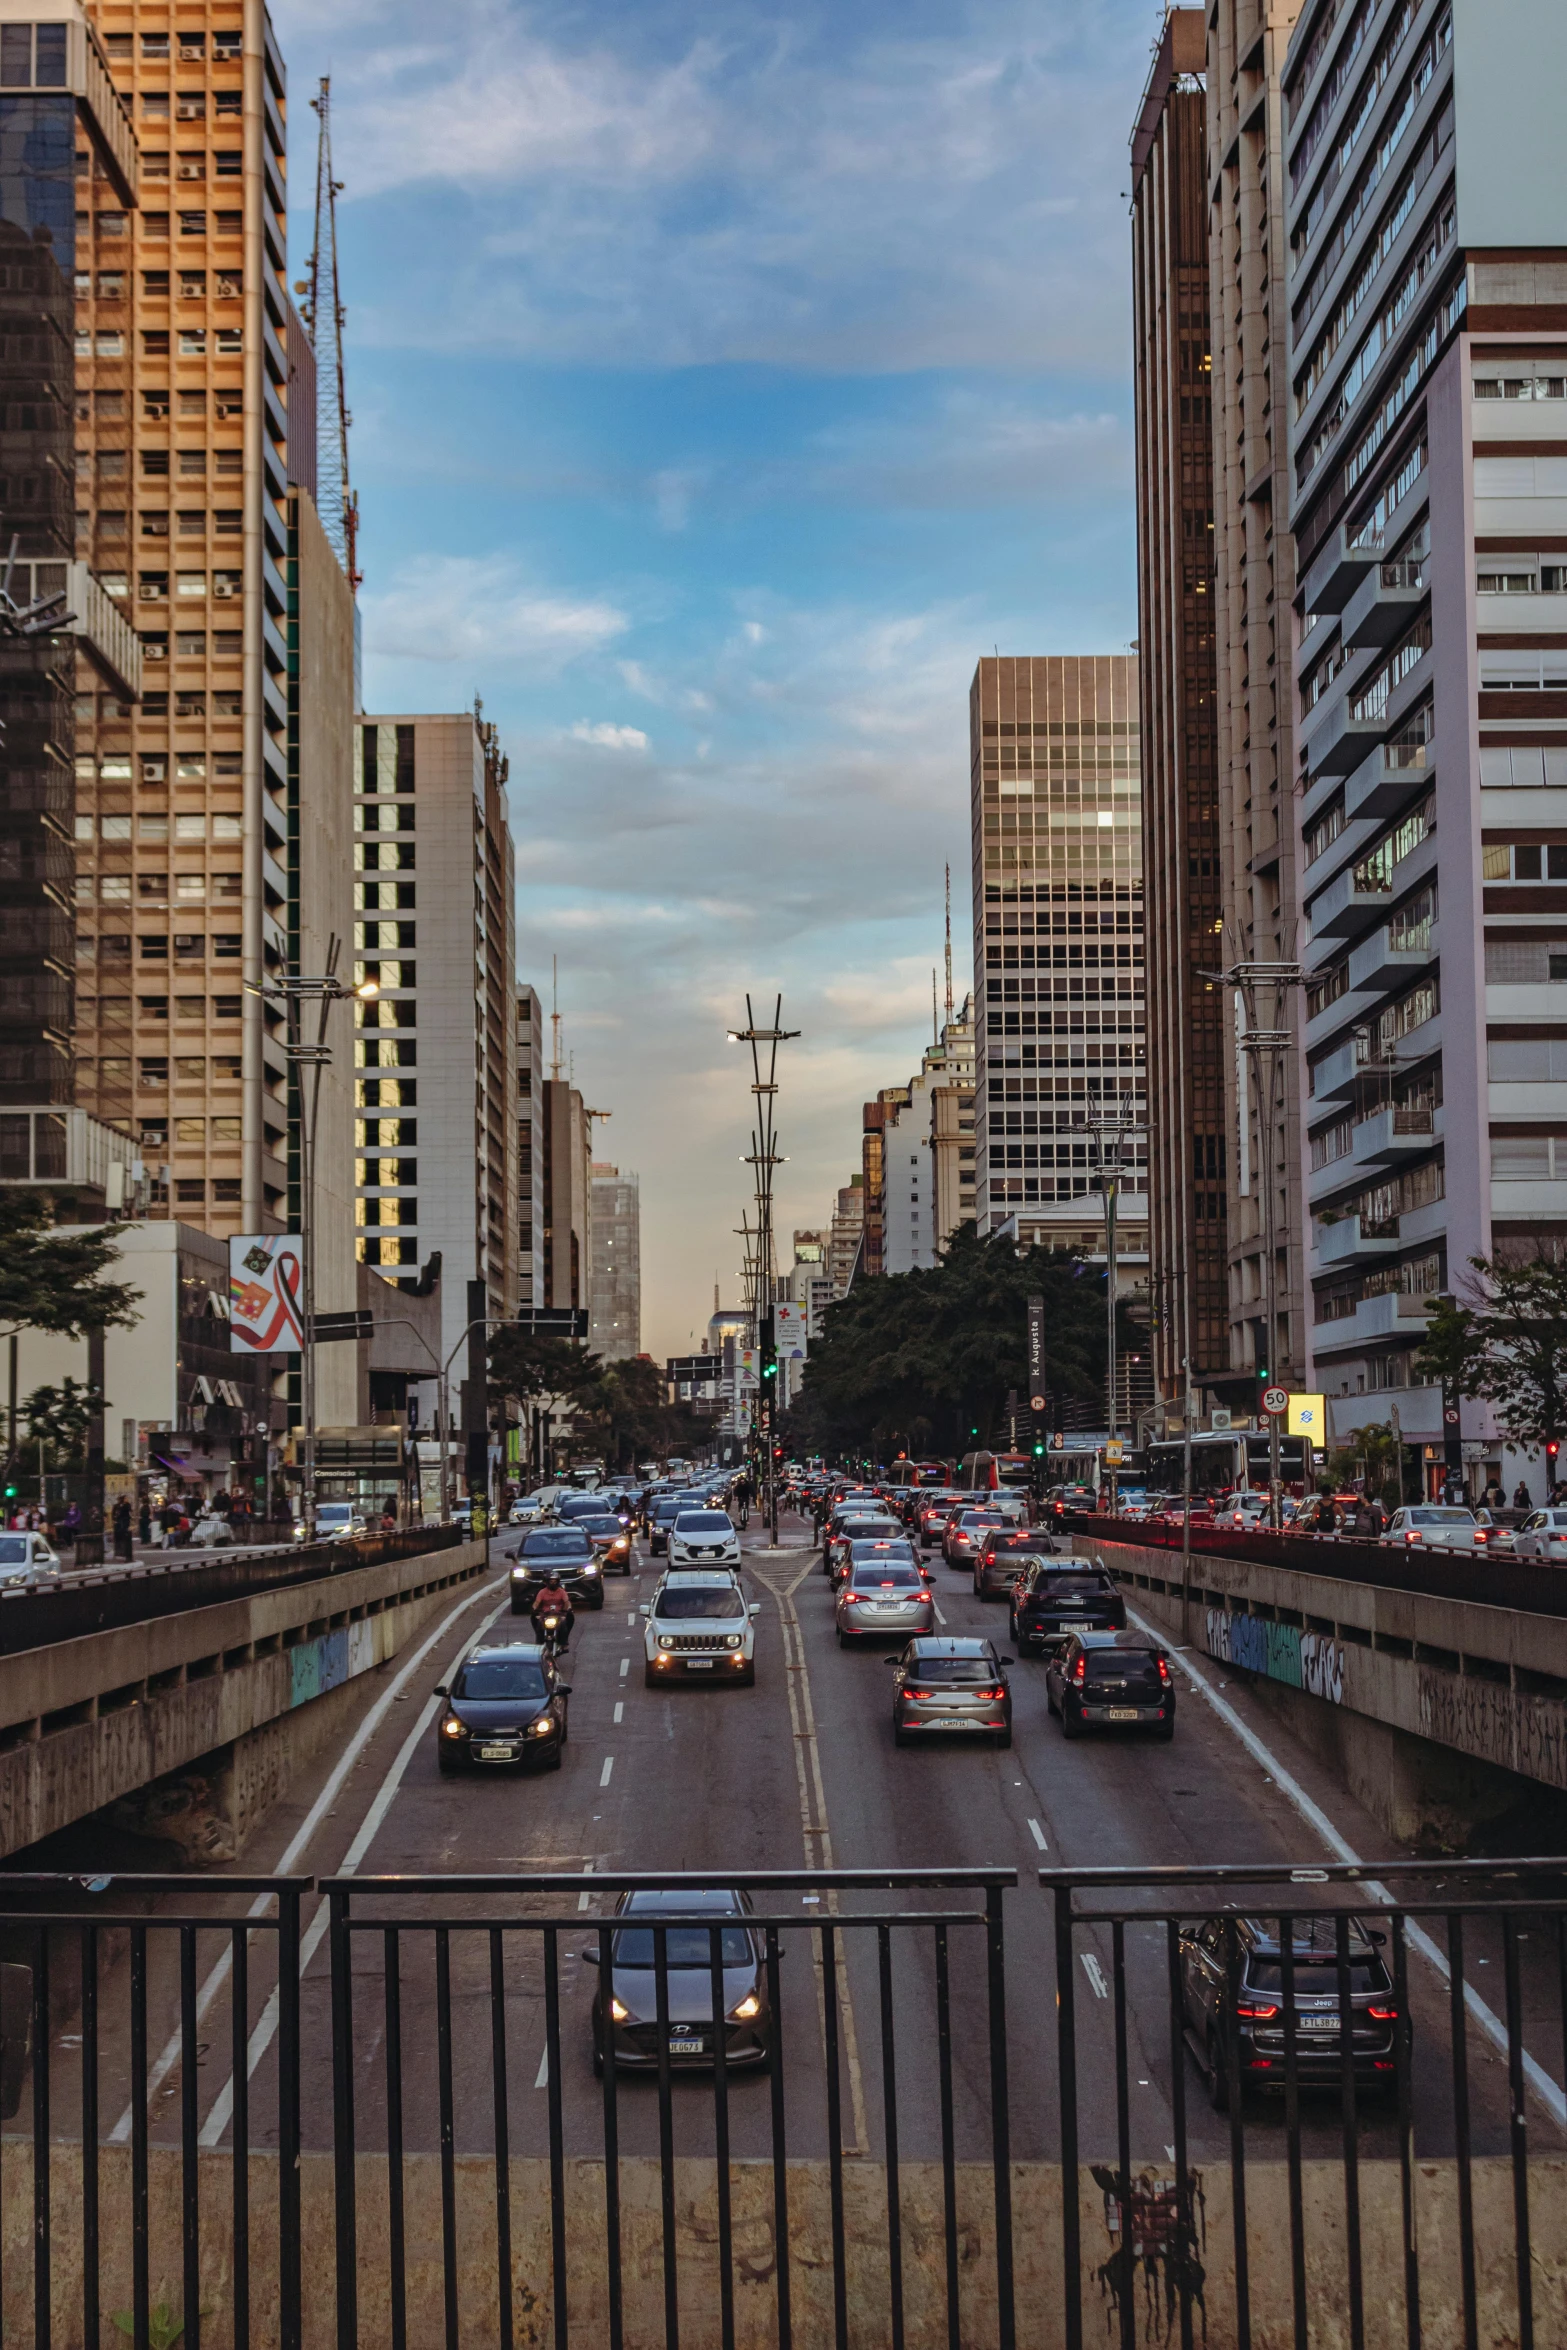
point(193, 1724)
point(1442, 1715)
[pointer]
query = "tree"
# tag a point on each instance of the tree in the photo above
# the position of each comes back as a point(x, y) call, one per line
point(53, 1280)
point(58, 1417)
point(1452, 1355)
point(1375, 1454)
point(530, 1366)
point(1520, 1367)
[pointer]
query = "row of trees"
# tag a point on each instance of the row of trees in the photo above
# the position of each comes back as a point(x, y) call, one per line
point(1504, 1340)
point(618, 1411)
point(923, 1362)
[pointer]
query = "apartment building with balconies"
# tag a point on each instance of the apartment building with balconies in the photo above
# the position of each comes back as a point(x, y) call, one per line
point(531, 1081)
point(1427, 223)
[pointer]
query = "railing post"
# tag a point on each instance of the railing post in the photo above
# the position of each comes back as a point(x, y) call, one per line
point(1066, 2077)
point(1000, 2116)
point(345, 2216)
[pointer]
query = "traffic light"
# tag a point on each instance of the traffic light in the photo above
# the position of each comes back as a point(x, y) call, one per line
point(1551, 1451)
point(1039, 1448)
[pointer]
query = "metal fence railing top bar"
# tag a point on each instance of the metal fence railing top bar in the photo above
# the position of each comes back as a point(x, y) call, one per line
point(150, 1885)
point(1328, 1872)
point(980, 1880)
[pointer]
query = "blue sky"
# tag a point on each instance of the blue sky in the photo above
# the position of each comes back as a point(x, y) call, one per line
point(724, 382)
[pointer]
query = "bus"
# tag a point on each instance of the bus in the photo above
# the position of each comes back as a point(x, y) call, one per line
point(991, 1470)
point(906, 1473)
point(1225, 1461)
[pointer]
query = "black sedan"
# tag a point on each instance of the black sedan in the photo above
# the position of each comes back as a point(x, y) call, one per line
point(950, 1688)
point(1055, 1597)
point(1256, 2013)
point(507, 1705)
point(562, 1552)
point(631, 1994)
point(1111, 1680)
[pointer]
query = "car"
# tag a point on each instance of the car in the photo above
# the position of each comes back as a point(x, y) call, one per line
point(661, 1516)
point(1002, 1557)
point(26, 1559)
point(699, 1622)
point(950, 1687)
point(337, 1521)
point(531, 1509)
point(870, 1549)
point(1056, 1596)
point(631, 1994)
point(570, 1506)
point(884, 1590)
point(1543, 1535)
point(930, 1512)
point(611, 1539)
point(1111, 1680)
point(857, 1526)
point(507, 1704)
point(700, 1538)
point(563, 1551)
point(1255, 2012)
point(965, 1532)
point(1435, 1526)
point(1500, 1528)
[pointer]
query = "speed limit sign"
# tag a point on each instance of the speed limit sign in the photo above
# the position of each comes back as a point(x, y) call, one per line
point(1275, 1400)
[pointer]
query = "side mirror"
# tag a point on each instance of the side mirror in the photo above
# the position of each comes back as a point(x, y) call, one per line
point(588, 1957)
point(1004, 1659)
point(441, 1690)
point(756, 1607)
point(645, 1606)
point(891, 1662)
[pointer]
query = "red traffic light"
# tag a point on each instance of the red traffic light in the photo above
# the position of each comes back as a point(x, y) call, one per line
point(1552, 1449)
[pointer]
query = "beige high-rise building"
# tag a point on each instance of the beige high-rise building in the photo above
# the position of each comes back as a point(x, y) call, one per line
point(568, 1195)
point(530, 1148)
point(615, 1294)
point(1254, 582)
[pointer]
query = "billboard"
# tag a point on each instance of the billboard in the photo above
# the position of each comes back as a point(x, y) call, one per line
point(789, 1333)
point(266, 1294)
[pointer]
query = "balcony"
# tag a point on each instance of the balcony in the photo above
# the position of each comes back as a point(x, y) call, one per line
point(1396, 1315)
point(1385, 782)
point(1384, 604)
point(1345, 1240)
point(1338, 571)
point(1338, 741)
point(1336, 1075)
point(1394, 1133)
point(1352, 903)
point(1377, 963)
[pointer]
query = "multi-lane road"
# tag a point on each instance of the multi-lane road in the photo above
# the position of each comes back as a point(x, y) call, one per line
point(799, 1772)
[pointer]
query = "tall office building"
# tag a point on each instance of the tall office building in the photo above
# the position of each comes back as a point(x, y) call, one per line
point(530, 1148)
point(183, 822)
point(846, 1236)
point(435, 1081)
point(922, 1143)
point(1058, 942)
point(1254, 581)
point(1187, 1043)
point(809, 1282)
point(1427, 221)
point(568, 1195)
point(615, 1294)
point(59, 114)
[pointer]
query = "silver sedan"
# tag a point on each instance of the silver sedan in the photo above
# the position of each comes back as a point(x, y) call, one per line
point(882, 1596)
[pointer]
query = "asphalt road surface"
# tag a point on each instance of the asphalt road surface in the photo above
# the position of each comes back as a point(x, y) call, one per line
point(799, 1772)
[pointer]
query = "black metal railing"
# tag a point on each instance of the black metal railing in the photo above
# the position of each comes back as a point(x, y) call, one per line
point(1231, 2105)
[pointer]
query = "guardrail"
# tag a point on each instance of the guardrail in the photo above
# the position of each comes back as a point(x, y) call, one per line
point(103, 1599)
point(1518, 1584)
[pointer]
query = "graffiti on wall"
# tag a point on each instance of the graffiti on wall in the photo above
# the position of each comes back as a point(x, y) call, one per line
point(1302, 1660)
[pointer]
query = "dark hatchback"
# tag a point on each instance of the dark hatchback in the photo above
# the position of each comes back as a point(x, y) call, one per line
point(1256, 2009)
point(631, 1994)
point(564, 1551)
point(507, 1705)
point(1112, 1681)
point(1055, 1596)
point(666, 1509)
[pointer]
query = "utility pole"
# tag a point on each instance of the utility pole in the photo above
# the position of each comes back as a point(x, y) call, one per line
point(763, 1158)
point(1114, 1128)
point(949, 946)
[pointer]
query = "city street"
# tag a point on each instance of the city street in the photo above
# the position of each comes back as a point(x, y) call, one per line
point(799, 1772)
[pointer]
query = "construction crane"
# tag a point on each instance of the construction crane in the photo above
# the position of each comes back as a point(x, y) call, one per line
point(324, 314)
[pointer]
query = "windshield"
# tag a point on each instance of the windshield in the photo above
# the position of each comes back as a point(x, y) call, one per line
point(675, 1604)
point(960, 1669)
point(1073, 1587)
point(1441, 1517)
point(702, 1522)
point(566, 1542)
point(1122, 1664)
point(1316, 1980)
point(684, 1946)
point(333, 1513)
point(599, 1525)
point(890, 1577)
point(501, 1676)
point(15, 1550)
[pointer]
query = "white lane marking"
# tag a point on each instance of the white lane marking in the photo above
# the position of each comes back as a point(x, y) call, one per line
point(620, 1710)
point(631, 1615)
point(625, 1666)
point(1038, 1834)
point(1096, 1975)
point(541, 2077)
point(609, 1764)
point(584, 1898)
point(169, 2055)
point(936, 1604)
point(314, 1935)
point(1490, 2023)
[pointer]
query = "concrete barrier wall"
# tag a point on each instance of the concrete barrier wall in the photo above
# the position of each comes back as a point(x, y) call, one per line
point(1436, 1712)
point(247, 1686)
point(1036, 2190)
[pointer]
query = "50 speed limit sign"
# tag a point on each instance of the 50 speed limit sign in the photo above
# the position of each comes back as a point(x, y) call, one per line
point(1275, 1400)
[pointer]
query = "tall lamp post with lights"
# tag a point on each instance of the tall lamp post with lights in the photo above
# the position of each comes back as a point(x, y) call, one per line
point(307, 1055)
point(1114, 1126)
point(763, 1157)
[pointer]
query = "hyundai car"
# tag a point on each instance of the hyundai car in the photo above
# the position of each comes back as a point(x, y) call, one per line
point(1054, 1597)
point(1001, 1558)
point(699, 1623)
point(1111, 1680)
point(703, 1538)
point(686, 2032)
point(965, 1534)
point(506, 1705)
point(947, 1687)
point(563, 1553)
point(883, 1592)
point(1255, 2013)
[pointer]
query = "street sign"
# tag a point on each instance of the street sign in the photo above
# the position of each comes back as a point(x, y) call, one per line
point(1219, 1420)
point(1113, 1452)
point(789, 1333)
point(1275, 1400)
point(1308, 1416)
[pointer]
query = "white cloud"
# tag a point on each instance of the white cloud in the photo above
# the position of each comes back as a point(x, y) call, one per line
point(479, 610)
point(609, 738)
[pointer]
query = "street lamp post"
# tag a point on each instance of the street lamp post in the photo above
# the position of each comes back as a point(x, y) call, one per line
point(763, 1157)
point(307, 1057)
point(1114, 1128)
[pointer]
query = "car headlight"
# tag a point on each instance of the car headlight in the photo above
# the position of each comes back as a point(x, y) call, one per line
point(542, 1727)
point(620, 2013)
point(749, 2006)
point(733, 1640)
point(664, 1642)
point(519, 1574)
point(452, 1727)
point(591, 1568)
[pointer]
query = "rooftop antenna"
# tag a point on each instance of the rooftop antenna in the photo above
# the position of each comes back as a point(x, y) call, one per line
point(555, 1018)
point(324, 315)
point(949, 946)
point(935, 1031)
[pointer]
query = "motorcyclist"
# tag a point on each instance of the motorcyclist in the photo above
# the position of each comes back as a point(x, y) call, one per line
point(553, 1599)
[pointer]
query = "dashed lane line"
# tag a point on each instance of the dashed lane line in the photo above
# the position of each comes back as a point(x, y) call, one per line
point(1038, 1834)
point(609, 1764)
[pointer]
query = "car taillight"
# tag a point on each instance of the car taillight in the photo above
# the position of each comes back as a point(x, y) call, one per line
point(992, 1693)
point(1411, 1536)
point(1481, 1538)
point(1164, 1668)
point(850, 1598)
point(1080, 1671)
point(1256, 2014)
point(1384, 2015)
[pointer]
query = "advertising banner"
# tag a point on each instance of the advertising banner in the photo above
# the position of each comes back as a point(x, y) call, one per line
point(266, 1301)
point(789, 1333)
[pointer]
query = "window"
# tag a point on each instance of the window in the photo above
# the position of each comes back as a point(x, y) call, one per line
point(1521, 387)
point(1334, 1142)
point(1527, 1060)
point(1325, 831)
point(1525, 575)
point(1375, 870)
point(190, 1191)
point(1520, 861)
point(192, 106)
point(193, 224)
point(1409, 931)
point(154, 107)
point(1529, 1158)
point(1326, 989)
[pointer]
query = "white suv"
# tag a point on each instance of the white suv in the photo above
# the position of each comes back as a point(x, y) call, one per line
point(703, 1538)
point(700, 1623)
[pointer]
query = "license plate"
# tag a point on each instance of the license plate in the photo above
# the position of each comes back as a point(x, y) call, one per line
point(1317, 2023)
point(496, 1753)
point(1120, 1713)
point(952, 1725)
point(699, 1664)
point(1084, 1627)
point(694, 2047)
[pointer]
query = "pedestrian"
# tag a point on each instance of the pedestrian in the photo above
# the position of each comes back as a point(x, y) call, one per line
point(122, 1529)
point(144, 1522)
point(70, 1524)
point(1495, 1495)
point(1521, 1499)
